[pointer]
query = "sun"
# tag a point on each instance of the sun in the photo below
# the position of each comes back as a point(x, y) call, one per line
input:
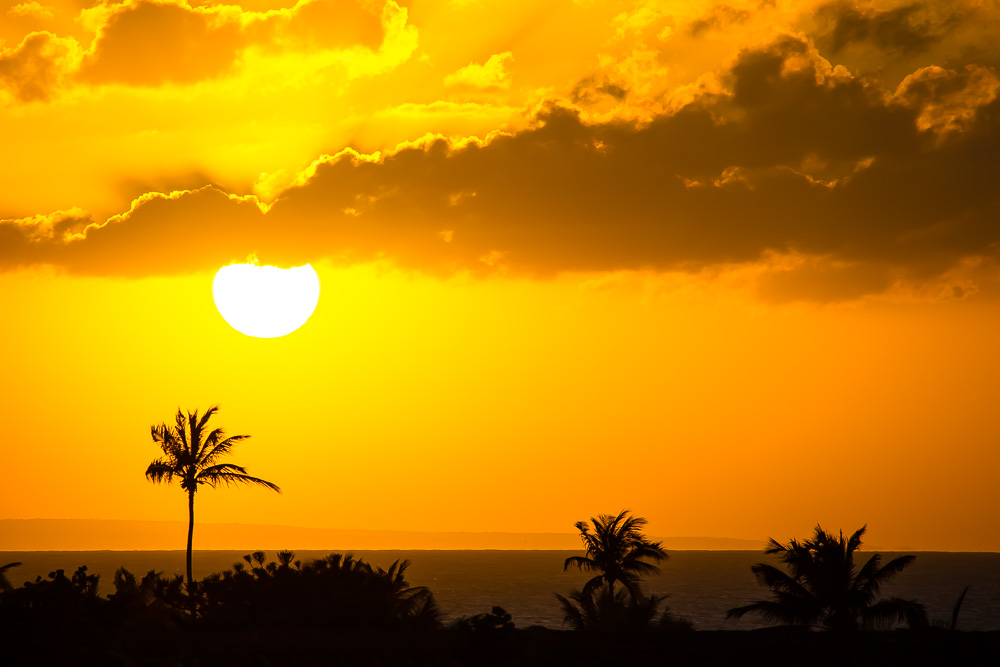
point(265, 301)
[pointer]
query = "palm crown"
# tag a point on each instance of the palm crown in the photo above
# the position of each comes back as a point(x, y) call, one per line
point(822, 586)
point(618, 551)
point(192, 455)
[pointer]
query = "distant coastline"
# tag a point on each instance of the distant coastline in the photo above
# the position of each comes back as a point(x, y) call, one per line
point(134, 535)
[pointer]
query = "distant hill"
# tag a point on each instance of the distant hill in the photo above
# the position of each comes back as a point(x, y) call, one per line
point(127, 535)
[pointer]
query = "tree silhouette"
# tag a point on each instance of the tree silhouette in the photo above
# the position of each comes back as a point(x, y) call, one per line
point(192, 455)
point(823, 588)
point(618, 551)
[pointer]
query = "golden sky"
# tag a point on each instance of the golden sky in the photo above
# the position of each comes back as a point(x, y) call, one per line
point(733, 266)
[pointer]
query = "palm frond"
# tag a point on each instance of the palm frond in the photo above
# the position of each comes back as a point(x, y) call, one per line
point(771, 611)
point(954, 610)
point(639, 567)
point(854, 543)
point(204, 419)
point(873, 584)
point(582, 562)
point(181, 430)
point(160, 471)
point(5, 584)
point(867, 573)
point(212, 453)
point(572, 614)
point(884, 614)
point(774, 547)
point(593, 584)
point(778, 580)
point(231, 474)
point(633, 586)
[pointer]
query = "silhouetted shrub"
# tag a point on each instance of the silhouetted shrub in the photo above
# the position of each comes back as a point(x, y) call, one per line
point(608, 609)
point(496, 622)
point(338, 591)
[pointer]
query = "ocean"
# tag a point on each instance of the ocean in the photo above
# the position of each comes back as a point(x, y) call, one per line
point(701, 585)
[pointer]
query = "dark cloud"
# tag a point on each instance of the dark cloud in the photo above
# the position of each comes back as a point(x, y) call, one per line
point(910, 28)
point(591, 90)
point(818, 279)
point(946, 99)
point(718, 17)
point(797, 159)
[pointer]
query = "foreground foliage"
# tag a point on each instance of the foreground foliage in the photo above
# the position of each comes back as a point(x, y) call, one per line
point(335, 593)
point(340, 610)
point(823, 588)
point(608, 610)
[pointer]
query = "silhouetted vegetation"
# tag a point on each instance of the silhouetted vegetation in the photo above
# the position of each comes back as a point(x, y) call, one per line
point(610, 610)
point(489, 634)
point(4, 582)
point(619, 553)
point(956, 609)
point(338, 591)
point(192, 455)
point(823, 588)
point(343, 610)
point(336, 594)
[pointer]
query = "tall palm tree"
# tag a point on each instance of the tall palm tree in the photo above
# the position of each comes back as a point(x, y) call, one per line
point(823, 588)
point(618, 551)
point(192, 455)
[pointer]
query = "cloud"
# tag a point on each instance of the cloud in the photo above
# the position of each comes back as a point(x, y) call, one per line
point(32, 9)
point(35, 68)
point(796, 278)
point(788, 157)
point(718, 17)
point(149, 43)
point(908, 28)
point(39, 238)
point(495, 73)
point(156, 42)
point(947, 100)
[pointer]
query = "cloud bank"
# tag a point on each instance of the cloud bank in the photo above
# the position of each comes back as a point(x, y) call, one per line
point(845, 183)
point(148, 43)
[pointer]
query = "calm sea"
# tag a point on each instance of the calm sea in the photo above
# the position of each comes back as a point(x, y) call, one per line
point(702, 584)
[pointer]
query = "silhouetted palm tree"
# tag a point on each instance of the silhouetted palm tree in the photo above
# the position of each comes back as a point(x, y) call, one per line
point(823, 588)
point(192, 455)
point(618, 551)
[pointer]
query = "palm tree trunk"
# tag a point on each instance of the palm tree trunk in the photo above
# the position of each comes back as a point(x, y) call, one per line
point(190, 535)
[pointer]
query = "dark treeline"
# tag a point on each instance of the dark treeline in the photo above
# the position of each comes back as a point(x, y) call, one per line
point(343, 610)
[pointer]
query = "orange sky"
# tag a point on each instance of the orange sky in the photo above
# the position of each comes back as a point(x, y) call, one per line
point(730, 265)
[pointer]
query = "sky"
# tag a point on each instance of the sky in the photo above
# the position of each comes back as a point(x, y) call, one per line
point(734, 266)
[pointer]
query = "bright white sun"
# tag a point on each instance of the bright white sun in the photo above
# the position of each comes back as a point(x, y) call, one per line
point(265, 301)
